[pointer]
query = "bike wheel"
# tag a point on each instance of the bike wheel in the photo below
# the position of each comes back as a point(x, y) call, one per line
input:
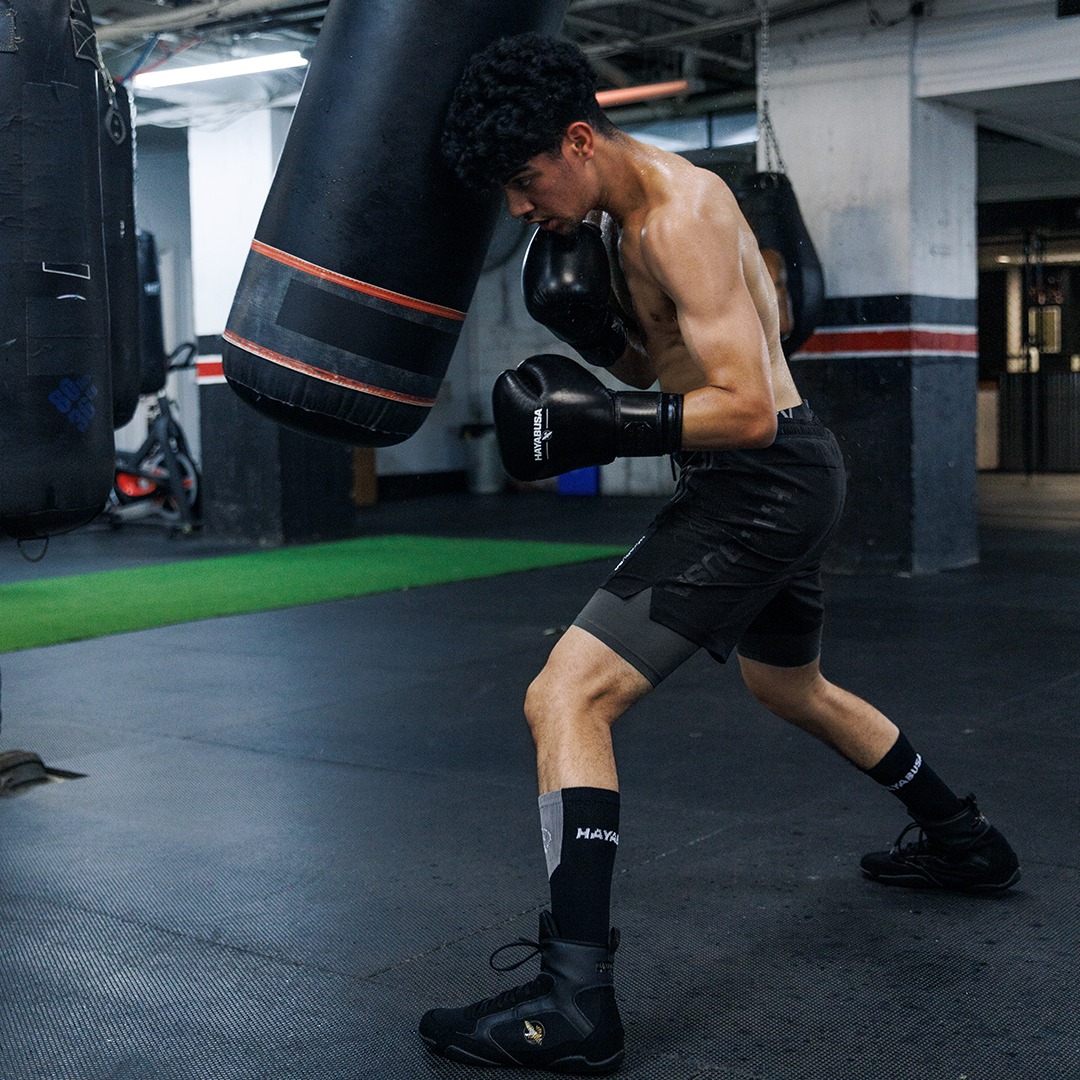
point(154, 464)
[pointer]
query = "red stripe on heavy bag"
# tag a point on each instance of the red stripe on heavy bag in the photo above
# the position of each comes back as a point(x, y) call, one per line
point(56, 443)
point(368, 250)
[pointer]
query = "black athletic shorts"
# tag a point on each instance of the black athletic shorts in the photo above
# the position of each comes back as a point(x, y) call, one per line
point(733, 559)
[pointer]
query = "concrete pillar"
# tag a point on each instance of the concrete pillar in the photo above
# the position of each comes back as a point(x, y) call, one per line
point(261, 482)
point(886, 183)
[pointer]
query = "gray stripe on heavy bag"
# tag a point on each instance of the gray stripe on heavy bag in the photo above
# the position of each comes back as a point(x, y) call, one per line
point(368, 249)
point(56, 441)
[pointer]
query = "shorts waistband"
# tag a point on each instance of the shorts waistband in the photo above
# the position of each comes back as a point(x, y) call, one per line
point(798, 421)
point(802, 411)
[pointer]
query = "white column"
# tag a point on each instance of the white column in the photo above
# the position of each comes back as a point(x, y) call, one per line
point(886, 183)
point(230, 173)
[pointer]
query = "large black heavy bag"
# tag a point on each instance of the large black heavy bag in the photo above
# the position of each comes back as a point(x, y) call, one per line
point(116, 144)
point(768, 201)
point(56, 442)
point(368, 250)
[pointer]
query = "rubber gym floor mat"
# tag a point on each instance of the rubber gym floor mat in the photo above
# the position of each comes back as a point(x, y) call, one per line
point(256, 881)
point(742, 957)
point(773, 978)
point(48, 611)
point(299, 829)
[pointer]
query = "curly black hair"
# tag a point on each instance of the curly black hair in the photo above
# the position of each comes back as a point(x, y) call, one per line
point(515, 100)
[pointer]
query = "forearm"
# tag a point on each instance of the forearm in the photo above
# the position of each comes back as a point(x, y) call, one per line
point(718, 419)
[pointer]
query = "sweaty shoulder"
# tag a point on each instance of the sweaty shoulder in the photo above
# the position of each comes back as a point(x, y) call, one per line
point(693, 221)
point(692, 207)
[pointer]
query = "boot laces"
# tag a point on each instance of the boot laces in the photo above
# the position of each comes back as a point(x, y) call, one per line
point(926, 845)
point(919, 846)
point(516, 994)
point(521, 943)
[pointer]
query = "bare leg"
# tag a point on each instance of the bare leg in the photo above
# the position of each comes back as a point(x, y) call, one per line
point(805, 698)
point(584, 688)
point(570, 707)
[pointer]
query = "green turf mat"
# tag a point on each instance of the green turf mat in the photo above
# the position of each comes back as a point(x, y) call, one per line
point(54, 610)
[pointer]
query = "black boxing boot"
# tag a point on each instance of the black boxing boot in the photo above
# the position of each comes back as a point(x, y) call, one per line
point(964, 853)
point(565, 1020)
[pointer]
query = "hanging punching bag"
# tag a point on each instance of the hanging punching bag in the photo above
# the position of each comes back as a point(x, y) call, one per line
point(768, 201)
point(152, 358)
point(116, 140)
point(56, 444)
point(368, 249)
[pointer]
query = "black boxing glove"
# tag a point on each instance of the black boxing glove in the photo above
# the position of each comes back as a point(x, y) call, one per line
point(567, 285)
point(553, 416)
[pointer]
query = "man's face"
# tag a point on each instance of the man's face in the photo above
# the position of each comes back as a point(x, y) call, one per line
point(551, 191)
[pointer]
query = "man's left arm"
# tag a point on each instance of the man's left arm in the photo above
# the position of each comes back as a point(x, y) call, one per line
point(698, 260)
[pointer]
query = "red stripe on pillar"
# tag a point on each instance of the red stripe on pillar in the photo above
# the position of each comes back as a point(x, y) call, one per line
point(893, 339)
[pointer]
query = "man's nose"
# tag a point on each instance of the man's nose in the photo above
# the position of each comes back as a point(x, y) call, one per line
point(517, 204)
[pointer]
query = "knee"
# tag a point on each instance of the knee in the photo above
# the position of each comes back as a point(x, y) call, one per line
point(547, 701)
point(790, 693)
point(553, 701)
point(535, 707)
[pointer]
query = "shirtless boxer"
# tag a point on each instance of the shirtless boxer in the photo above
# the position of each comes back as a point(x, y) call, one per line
point(733, 562)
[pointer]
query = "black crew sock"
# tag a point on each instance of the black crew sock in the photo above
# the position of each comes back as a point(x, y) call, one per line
point(581, 835)
point(903, 772)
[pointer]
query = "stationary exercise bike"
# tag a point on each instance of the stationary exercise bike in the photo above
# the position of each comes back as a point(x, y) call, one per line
point(159, 483)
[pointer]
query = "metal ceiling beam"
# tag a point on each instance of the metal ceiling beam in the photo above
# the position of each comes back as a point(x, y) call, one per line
point(206, 13)
point(588, 5)
point(729, 24)
point(1063, 144)
point(736, 63)
point(189, 17)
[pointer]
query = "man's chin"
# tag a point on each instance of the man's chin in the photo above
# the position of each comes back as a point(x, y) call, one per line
point(563, 228)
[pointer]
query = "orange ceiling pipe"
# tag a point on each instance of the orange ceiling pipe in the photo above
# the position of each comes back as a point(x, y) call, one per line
point(628, 95)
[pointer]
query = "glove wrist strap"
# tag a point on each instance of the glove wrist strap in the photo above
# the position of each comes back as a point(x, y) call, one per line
point(647, 423)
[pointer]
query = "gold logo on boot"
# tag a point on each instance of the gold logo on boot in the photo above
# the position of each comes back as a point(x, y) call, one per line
point(534, 1032)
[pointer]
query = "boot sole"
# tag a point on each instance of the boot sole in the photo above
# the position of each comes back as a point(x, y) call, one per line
point(577, 1066)
point(917, 880)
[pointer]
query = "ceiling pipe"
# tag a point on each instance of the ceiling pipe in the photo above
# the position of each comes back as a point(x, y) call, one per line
point(630, 95)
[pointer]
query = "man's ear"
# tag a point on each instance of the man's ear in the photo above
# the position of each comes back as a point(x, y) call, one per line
point(580, 140)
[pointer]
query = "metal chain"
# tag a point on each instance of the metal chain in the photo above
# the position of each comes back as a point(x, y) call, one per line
point(763, 58)
point(772, 146)
point(87, 48)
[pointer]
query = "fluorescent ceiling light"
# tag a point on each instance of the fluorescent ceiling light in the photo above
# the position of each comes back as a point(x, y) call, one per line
point(151, 80)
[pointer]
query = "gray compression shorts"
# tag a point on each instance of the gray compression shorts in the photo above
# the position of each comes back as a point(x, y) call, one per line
point(625, 627)
point(732, 560)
